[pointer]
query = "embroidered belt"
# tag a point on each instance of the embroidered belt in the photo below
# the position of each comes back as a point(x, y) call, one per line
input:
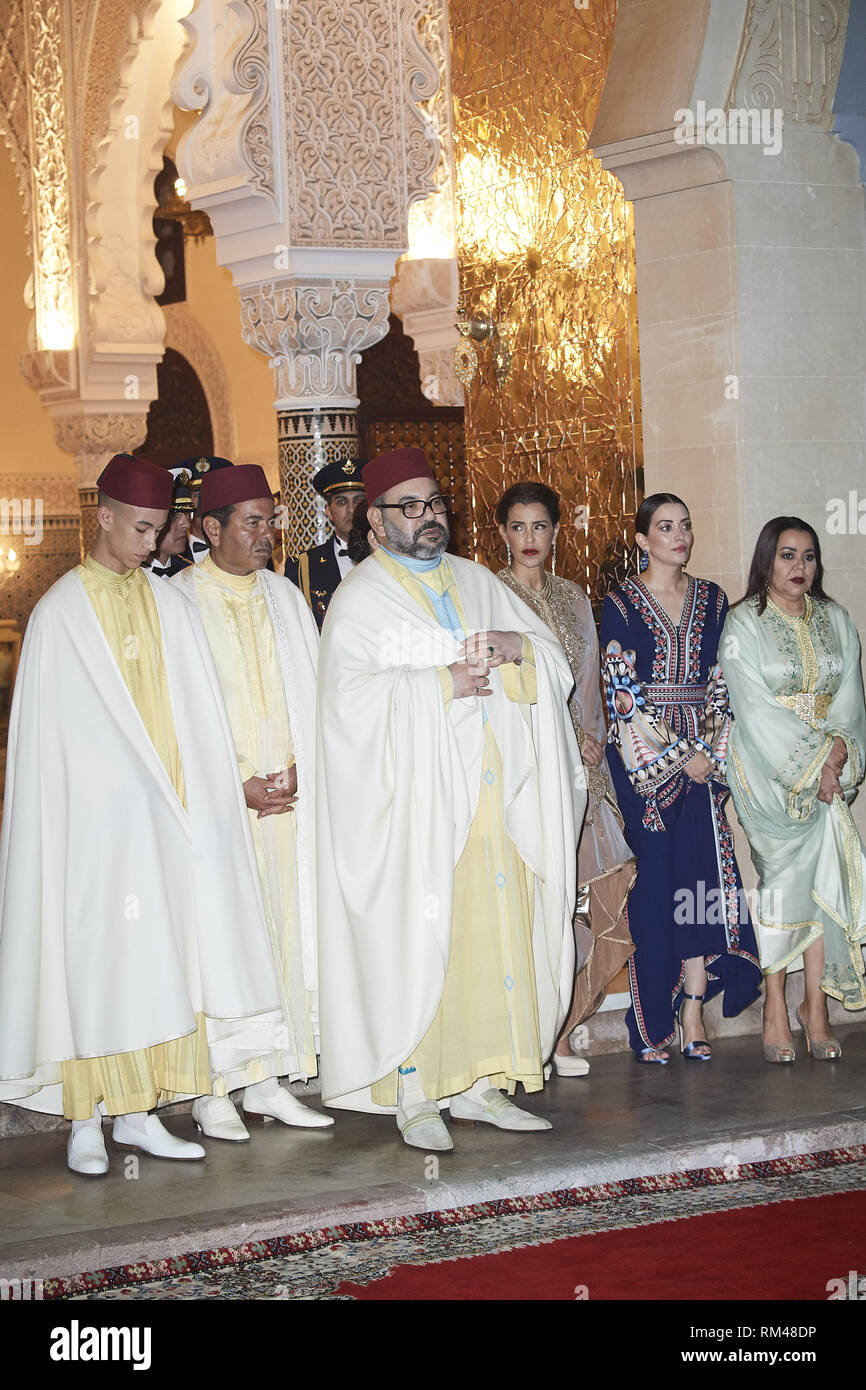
point(807, 705)
point(677, 694)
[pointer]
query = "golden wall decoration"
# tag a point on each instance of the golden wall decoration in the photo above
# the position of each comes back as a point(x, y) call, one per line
point(545, 246)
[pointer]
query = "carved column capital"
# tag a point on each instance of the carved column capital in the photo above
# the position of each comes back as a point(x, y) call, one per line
point(94, 437)
point(790, 58)
point(424, 295)
point(54, 374)
point(314, 332)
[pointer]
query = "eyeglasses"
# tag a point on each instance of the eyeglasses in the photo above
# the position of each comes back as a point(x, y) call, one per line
point(416, 508)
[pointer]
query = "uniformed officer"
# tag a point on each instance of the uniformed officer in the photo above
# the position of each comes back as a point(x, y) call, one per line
point(197, 544)
point(171, 546)
point(318, 571)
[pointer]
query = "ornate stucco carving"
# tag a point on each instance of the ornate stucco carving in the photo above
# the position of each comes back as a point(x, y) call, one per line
point(424, 294)
point(50, 372)
point(49, 139)
point(425, 290)
point(439, 381)
point(790, 56)
point(109, 35)
point(432, 218)
point(314, 334)
point(185, 334)
point(94, 438)
point(224, 75)
point(359, 148)
point(13, 100)
point(123, 272)
point(340, 143)
point(251, 74)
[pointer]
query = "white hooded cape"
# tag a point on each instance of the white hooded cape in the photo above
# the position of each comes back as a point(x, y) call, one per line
point(398, 787)
point(123, 914)
point(297, 644)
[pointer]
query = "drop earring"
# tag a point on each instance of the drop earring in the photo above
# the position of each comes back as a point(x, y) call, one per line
point(643, 560)
point(508, 550)
point(553, 560)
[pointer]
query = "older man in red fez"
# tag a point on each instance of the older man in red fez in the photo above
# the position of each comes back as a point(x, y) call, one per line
point(264, 642)
point(446, 883)
point(130, 911)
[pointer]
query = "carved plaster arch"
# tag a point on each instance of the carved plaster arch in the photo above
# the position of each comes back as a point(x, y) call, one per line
point(13, 105)
point(123, 273)
point(185, 334)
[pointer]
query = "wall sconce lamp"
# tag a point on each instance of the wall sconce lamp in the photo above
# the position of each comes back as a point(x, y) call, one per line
point(481, 328)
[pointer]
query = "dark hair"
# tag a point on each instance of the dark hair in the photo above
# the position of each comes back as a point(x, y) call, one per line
point(527, 495)
point(357, 545)
point(650, 505)
point(221, 514)
point(765, 557)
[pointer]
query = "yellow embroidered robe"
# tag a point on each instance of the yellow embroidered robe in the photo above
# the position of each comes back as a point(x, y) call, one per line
point(241, 638)
point(487, 1020)
point(134, 1081)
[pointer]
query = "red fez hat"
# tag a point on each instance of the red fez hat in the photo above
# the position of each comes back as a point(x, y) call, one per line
point(386, 471)
point(222, 487)
point(136, 481)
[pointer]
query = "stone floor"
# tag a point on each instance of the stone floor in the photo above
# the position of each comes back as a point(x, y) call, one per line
point(622, 1120)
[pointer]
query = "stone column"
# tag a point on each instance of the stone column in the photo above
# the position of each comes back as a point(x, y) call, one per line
point(309, 195)
point(314, 334)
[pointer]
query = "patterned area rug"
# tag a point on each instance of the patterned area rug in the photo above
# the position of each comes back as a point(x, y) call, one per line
point(340, 1262)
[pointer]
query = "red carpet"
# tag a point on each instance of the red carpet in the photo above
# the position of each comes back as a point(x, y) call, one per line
point(789, 1250)
point(773, 1230)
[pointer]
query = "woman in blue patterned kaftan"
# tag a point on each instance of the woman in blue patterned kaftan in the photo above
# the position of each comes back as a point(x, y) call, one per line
point(667, 746)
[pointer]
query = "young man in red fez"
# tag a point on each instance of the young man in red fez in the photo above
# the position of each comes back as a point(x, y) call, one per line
point(264, 645)
point(446, 887)
point(129, 893)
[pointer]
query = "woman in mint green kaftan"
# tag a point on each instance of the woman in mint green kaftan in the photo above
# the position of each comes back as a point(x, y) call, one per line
point(795, 689)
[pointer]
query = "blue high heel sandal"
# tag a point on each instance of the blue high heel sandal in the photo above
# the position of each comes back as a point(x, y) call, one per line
point(644, 1056)
point(688, 1049)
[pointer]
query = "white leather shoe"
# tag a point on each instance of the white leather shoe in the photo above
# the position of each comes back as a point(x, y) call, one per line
point(422, 1127)
point(85, 1151)
point(216, 1117)
point(571, 1065)
point(283, 1105)
point(153, 1139)
point(495, 1110)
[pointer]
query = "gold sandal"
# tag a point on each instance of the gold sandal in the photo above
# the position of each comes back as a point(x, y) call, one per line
point(823, 1050)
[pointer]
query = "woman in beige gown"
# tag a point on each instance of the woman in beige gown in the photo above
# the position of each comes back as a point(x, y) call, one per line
point(528, 517)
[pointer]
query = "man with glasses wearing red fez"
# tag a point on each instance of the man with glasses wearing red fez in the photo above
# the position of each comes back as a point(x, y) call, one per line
point(130, 911)
point(264, 645)
point(447, 883)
